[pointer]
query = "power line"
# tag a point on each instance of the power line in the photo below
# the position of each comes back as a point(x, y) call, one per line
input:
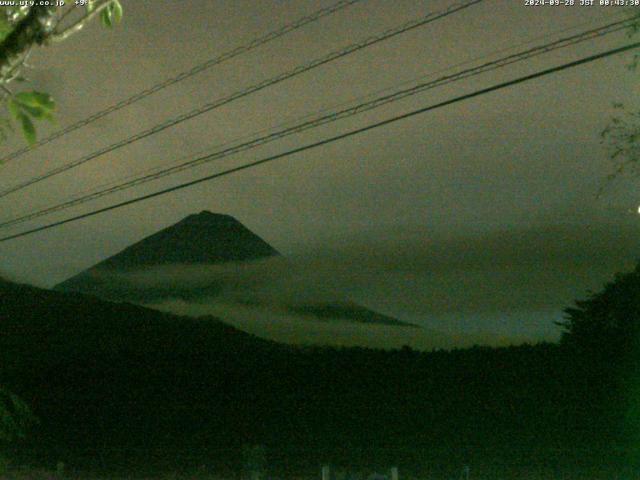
point(329, 118)
point(273, 35)
point(360, 98)
point(335, 138)
point(247, 91)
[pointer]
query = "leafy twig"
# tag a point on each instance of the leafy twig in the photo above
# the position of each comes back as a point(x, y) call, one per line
point(80, 23)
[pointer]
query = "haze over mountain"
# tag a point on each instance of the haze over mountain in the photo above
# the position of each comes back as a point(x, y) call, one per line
point(207, 257)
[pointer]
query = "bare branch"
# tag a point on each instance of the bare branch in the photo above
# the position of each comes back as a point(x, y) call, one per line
point(66, 13)
point(14, 71)
point(80, 23)
point(5, 89)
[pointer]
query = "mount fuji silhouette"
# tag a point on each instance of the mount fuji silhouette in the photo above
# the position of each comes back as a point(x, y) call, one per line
point(164, 266)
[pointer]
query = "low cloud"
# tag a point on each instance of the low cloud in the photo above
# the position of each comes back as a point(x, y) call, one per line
point(282, 326)
point(537, 269)
point(500, 287)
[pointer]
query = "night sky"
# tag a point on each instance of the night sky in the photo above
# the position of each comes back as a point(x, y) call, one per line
point(476, 219)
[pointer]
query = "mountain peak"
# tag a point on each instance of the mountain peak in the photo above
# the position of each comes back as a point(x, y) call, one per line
point(206, 215)
point(202, 238)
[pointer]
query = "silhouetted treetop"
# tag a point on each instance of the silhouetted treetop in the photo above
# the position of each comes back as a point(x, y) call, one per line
point(607, 321)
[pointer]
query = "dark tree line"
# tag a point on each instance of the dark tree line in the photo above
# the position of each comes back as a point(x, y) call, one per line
point(118, 386)
point(602, 335)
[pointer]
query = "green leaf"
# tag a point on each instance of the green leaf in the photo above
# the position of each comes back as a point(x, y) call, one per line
point(105, 17)
point(37, 112)
point(28, 129)
point(116, 11)
point(36, 100)
point(111, 14)
point(14, 108)
point(34, 104)
point(5, 26)
point(37, 104)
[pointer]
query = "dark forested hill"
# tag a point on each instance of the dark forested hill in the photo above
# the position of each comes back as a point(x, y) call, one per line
point(119, 386)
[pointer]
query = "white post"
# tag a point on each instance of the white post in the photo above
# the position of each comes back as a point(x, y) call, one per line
point(394, 473)
point(326, 472)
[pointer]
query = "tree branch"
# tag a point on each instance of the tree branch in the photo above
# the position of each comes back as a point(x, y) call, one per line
point(66, 13)
point(79, 24)
point(32, 29)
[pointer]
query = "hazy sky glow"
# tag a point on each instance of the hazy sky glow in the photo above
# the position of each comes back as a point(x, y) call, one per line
point(481, 216)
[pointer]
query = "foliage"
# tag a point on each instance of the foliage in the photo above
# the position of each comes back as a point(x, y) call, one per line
point(195, 390)
point(608, 320)
point(622, 137)
point(21, 28)
point(16, 417)
point(26, 106)
point(111, 15)
point(254, 458)
point(9, 17)
point(633, 30)
point(623, 132)
point(603, 332)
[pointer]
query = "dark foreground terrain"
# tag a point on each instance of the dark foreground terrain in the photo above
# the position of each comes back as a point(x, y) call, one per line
point(120, 388)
